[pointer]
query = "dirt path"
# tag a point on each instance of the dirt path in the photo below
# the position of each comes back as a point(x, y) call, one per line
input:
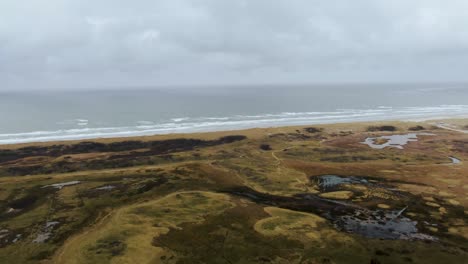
point(273, 154)
point(59, 255)
point(450, 127)
point(278, 161)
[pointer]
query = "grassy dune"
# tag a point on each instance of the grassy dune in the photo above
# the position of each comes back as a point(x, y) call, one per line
point(272, 195)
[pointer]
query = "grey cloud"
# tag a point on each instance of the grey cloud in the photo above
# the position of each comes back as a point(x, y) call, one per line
point(68, 44)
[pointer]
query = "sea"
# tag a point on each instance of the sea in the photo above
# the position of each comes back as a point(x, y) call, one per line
point(37, 116)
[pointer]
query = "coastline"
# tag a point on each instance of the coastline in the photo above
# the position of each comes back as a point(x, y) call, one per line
point(259, 131)
point(85, 127)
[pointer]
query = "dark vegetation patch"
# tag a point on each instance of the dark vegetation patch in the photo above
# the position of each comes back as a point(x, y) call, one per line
point(228, 238)
point(7, 237)
point(460, 146)
point(290, 136)
point(326, 150)
point(416, 128)
point(341, 134)
point(265, 147)
point(109, 247)
point(149, 185)
point(41, 255)
point(24, 201)
point(353, 158)
point(156, 147)
point(313, 130)
point(382, 182)
point(300, 202)
point(158, 153)
point(385, 128)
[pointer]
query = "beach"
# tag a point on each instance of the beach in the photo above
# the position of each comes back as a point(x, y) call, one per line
point(57, 116)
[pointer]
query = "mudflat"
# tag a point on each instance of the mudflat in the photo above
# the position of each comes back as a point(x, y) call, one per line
point(381, 192)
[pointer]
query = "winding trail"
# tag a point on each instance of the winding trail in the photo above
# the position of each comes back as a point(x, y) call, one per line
point(273, 154)
point(70, 241)
point(278, 161)
point(449, 127)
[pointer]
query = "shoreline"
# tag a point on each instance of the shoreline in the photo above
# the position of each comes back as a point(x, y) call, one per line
point(86, 128)
point(451, 121)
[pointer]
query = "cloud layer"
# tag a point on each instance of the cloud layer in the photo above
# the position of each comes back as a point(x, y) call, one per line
point(68, 44)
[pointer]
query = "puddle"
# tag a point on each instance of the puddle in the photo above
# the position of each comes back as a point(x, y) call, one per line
point(51, 224)
point(382, 224)
point(455, 160)
point(106, 188)
point(17, 238)
point(47, 232)
point(346, 216)
point(7, 237)
point(4, 233)
point(12, 210)
point(330, 181)
point(42, 237)
point(63, 184)
point(393, 141)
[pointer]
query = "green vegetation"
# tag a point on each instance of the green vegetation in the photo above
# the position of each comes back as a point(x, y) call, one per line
point(258, 197)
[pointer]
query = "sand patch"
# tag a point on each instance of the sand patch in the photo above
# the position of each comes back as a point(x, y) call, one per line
point(383, 206)
point(338, 195)
point(453, 202)
point(442, 210)
point(417, 189)
point(432, 204)
point(446, 194)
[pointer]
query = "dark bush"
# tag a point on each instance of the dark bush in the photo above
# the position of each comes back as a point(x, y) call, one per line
point(265, 147)
point(416, 128)
point(381, 128)
point(313, 129)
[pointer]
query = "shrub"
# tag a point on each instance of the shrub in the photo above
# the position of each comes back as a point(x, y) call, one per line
point(313, 129)
point(381, 128)
point(416, 128)
point(265, 147)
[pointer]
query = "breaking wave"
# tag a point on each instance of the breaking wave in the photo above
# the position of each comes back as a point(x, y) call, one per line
point(216, 123)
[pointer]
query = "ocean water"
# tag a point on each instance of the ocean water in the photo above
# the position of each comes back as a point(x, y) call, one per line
point(54, 115)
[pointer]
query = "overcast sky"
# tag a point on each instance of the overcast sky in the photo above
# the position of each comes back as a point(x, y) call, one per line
point(74, 44)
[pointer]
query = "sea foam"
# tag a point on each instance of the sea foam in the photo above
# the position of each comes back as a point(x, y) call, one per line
point(217, 123)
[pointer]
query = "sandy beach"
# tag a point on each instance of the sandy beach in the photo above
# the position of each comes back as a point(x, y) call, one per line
point(454, 124)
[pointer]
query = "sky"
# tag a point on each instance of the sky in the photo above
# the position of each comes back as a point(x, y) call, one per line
point(89, 44)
